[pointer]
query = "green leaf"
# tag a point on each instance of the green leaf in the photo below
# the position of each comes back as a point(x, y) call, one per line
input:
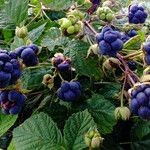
point(13, 13)
point(141, 35)
point(141, 145)
point(103, 112)
point(140, 129)
point(11, 146)
point(17, 43)
point(38, 132)
point(80, 2)
point(57, 4)
point(32, 77)
point(140, 135)
point(75, 129)
point(36, 33)
point(6, 121)
point(52, 38)
point(134, 43)
point(77, 51)
point(109, 91)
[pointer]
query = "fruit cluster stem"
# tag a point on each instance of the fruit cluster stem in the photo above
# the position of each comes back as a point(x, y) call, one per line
point(128, 72)
point(133, 54)
point(90, 27)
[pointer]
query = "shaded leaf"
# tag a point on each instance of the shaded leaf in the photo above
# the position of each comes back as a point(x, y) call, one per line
point(57, 4)
point(140, 135)
point(36, 33)
point(32, 77)
point(103, 112)
point(13, 13)
point(134, 43)
point(17, 43)
point(75, 129)
point(110, 90)
point(11, 146)
point(6, 121)
point(77, 51)
point(52, 38)
point(38, 132)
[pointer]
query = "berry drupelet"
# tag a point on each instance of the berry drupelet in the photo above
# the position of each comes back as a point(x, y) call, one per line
point(69, 91)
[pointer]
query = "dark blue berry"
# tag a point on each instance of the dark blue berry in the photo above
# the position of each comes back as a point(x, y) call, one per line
point(34, 48)
point(13, 55)
point(132, 33)
point(104, 47)
point(69, 96)
point(74, 86)
point(15, 110)
point(117, 45)
point(132, 65)
point(147, 92)
point(4, 57)
point(134, 106)
point(63, 66)
point(99, 37)
point(147, 59)
point(8, 67)
point(65, 86)
point(142, 99)
point(144, 113)
point(19, 50)
point(110, 36)
point(106, 28)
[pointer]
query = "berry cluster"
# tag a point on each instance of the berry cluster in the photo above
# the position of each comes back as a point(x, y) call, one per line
point(28, 54)
point(69, 91)
point(77, 14)
point(109, 41)
point(70, 25)
point(105, 14)
point(140, 101)
point(10, 69)
point(126, 36)
point(61, 62)
point(11, 101)
point(146, 49)
point(137, 14)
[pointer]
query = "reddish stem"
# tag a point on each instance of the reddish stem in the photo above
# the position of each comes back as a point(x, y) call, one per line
point(90, 27)
point(129, 72)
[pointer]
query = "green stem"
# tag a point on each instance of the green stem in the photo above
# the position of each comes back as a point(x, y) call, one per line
point(34, 17)
point(133, 55)
point(122, 92)
point(60, 77)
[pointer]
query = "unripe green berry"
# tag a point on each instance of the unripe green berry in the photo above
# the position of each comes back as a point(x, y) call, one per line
point(81, 15)
point(95, 143)
point(109, 17)
point(106, 9)
point(91, 134)
point(77, 27)
point(107, 4)
point(102, 16)
point(122, 113)
point(21, 32)
point(87, 141)
point(66, 23)
point(99, 11)
point(71, 30)
point(73, 19)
